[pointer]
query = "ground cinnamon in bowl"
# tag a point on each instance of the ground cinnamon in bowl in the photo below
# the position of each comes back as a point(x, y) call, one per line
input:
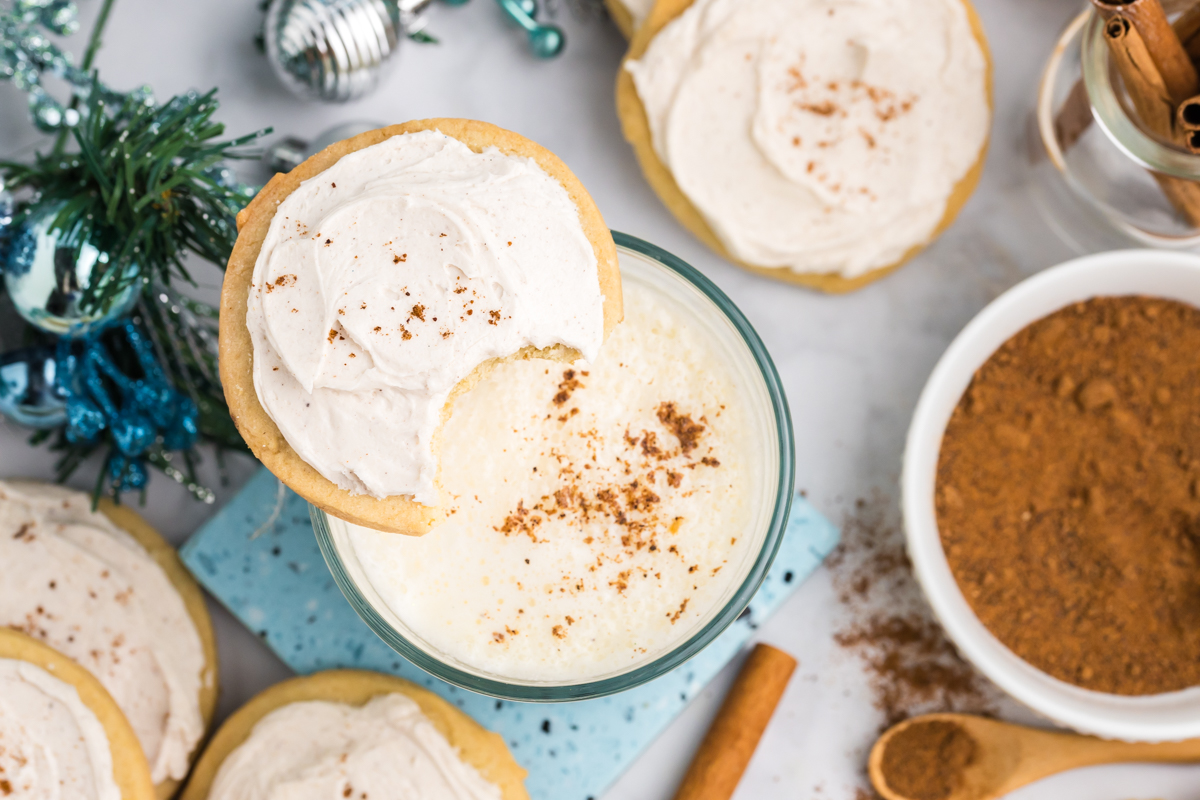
point(1068, 495)
point(926, 760)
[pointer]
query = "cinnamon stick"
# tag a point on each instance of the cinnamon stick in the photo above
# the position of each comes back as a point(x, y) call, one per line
point(1152, 102)
point(734, 734)
point(1146, 85)
point(1161, 42)
point(1187, 121)
point(1187, 28)
point(1075, 115)
point(1188, 116)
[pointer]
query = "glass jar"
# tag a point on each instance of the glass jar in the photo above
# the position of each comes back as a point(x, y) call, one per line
point(751, 366)
point(1092, 158)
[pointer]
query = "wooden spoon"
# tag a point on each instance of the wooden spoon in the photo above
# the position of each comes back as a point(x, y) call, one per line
point(1008, 756)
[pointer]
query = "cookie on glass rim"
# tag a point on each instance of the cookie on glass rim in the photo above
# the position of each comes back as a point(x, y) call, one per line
point(396, 512)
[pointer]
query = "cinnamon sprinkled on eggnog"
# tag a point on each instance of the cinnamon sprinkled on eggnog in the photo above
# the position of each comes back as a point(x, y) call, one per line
point(601, 513)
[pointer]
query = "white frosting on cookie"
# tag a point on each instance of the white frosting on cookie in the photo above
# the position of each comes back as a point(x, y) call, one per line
point(316, 750)
point(52, 747)
point(386, 279)
point(74, 580)
point(820, 136)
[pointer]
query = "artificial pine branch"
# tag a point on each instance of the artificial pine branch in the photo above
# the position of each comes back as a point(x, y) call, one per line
point(145, 187)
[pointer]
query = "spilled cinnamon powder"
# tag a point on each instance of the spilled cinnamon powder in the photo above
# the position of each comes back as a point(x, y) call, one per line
point(911, 666)
point(1068, 496)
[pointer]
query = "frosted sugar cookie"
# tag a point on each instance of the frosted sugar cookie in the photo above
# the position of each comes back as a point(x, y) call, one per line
point(821, 142)
point(63, 735)
point(385, 275)
point(354, 735)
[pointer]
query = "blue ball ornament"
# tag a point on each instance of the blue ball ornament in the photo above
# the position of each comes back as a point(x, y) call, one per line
point(29, 394)
point(46, 281)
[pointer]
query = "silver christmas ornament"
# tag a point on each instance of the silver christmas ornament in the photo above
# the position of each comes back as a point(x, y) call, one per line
point(46, 282)
point(335, 49)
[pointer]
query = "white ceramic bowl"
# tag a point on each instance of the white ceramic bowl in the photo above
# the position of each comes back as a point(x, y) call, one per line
point(1163, 717)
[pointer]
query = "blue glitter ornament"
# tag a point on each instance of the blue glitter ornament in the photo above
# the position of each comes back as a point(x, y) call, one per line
point(46, 281)
point(29, 394)
point(141, 412)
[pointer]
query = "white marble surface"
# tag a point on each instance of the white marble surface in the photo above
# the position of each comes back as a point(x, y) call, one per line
point(853, 366)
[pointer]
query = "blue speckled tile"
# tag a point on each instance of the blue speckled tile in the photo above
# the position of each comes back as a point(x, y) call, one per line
point(271, 575)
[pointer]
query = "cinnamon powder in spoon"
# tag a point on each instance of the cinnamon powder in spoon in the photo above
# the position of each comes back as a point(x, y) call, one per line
point(926, 760)
point(1068, 495)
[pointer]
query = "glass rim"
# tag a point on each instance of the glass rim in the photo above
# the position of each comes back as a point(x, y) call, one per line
point(1111, 116)
point(1074, 37)
point(697, 641)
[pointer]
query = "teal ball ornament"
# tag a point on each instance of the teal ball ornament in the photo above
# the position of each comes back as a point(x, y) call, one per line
point(7, 210)
point(29, 394)
point(547, 41)
point(46, 280)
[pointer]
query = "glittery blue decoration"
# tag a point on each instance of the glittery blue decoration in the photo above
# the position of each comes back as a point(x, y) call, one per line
point(126, 474)
point(140, 412)
point(84, 420)
point(183, 428)
point(174, 414)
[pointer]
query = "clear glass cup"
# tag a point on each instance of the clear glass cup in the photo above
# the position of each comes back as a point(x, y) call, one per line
point(1097, 191)
point(749, 363)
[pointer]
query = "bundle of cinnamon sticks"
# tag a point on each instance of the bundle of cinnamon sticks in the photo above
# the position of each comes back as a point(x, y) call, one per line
point(1155, 61)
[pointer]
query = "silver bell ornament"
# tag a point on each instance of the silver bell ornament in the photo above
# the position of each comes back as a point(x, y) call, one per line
point(46, 281)
point(335, 50)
